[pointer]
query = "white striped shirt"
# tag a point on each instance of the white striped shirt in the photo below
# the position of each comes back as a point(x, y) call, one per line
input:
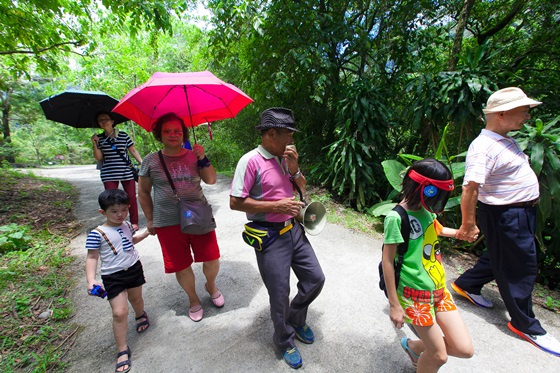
point(502, 170)
point(121, 239)
point(115, 168)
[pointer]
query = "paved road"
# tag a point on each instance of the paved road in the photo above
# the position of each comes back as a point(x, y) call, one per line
point(350, 317)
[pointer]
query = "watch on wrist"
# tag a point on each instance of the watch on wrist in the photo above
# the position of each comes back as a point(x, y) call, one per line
point(297, 174)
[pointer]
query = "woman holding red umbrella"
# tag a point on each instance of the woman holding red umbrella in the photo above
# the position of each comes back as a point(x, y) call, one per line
point(112, 147)
point(186, 168)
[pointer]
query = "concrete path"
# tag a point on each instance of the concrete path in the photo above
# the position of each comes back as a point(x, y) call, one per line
point(350, 317)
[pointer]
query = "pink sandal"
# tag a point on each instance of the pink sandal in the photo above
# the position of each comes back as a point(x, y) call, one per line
point(196, 313)
point(217, 297)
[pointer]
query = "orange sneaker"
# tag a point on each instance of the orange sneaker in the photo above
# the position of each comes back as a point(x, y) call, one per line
point(477, 299)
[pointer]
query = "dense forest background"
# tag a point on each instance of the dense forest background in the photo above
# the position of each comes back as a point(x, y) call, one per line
point(368, 81)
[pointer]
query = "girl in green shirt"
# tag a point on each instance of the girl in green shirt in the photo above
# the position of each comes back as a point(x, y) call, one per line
point(420, 297)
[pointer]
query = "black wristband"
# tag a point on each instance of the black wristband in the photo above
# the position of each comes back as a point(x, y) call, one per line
point(204, 162)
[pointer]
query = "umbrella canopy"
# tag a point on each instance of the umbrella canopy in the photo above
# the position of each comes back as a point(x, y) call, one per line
point(196, 97)
point(79, 108)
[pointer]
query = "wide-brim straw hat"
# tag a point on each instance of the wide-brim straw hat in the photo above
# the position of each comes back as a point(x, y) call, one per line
point(508, 99)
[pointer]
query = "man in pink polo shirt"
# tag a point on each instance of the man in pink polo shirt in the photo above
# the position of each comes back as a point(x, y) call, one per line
point(263, 188)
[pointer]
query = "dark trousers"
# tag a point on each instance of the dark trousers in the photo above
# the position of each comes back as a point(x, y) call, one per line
point(511, 259)
point(290, 250)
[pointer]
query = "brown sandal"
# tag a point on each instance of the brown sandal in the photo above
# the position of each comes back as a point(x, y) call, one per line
point(140, 324)
point(124, 362)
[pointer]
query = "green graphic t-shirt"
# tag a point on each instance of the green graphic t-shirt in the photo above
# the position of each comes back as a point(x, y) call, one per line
point(422, 273)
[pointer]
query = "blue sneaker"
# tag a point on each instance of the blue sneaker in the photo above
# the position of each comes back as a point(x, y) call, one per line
point(304, 334)
point(292, 357)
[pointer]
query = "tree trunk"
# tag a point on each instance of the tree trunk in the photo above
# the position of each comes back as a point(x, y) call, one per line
point(459, 31)
point(6, 95)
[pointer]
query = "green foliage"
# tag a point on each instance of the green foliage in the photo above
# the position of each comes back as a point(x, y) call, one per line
point(13, 237)
point(121, 63)
point(347, 48)
point(542, 145)
point(552, 303)
point(7, 151)
point(394, 172)
point(353, 160)
point(452, 96)
point(225, 149)
point(38, 34)
point(396, 169)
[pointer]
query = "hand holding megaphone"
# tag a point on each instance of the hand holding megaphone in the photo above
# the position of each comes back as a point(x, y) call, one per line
point(289, 206)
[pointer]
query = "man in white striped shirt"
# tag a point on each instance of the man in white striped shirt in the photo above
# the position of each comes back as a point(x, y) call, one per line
point(500, 182)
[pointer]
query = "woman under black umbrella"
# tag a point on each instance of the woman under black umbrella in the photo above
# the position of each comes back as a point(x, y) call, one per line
point(112, 147)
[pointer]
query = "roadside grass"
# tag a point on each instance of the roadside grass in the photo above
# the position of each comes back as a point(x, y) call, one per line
point(345, 215)
point(547, 298)
point(36, 226)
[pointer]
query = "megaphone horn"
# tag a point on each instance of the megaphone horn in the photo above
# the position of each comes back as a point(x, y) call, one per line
point(313, 217)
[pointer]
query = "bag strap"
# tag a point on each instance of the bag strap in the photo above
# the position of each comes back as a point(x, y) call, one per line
point(298, 189)
point(164, 166)
point(125, 159)
point(402, 247)
point(107, 239)
point(286, 229)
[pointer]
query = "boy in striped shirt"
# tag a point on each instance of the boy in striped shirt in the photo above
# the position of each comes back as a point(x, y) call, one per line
point(121, 269)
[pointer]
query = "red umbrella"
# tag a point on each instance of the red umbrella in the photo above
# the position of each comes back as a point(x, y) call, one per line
point(197, 97)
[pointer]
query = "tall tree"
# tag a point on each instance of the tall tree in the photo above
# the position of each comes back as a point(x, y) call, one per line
point(459, 31)
point(5, 107)
point(37, 36)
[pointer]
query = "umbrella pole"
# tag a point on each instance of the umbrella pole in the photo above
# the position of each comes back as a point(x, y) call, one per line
point(194, 135)
point(189, 108)
point(209, 130)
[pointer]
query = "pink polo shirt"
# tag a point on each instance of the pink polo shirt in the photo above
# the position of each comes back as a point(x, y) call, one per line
point(264, 177)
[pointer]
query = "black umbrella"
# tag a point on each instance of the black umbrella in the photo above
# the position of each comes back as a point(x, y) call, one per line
point(79, 108)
